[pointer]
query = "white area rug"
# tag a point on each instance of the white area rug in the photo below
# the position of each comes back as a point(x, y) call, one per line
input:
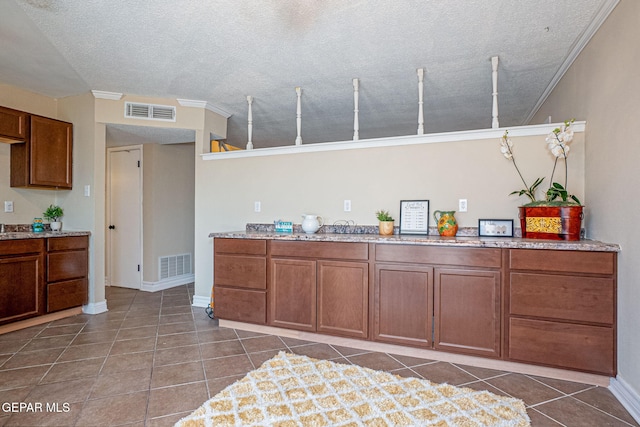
point(291, 390)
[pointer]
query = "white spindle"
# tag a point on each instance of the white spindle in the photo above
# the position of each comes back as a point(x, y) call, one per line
point(249, 124)
point(356, 123)
point(299, 117)
point(494, 75)
point(420, 101)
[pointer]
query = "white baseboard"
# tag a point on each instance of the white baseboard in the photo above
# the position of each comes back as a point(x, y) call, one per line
point(95, 307)
point(161, 285)
point(627, 396)
point(199, 301)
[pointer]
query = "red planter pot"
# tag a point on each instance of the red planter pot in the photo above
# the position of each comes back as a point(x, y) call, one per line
point(551, 222)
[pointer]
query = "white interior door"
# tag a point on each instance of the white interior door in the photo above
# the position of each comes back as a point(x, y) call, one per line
point(124, 207)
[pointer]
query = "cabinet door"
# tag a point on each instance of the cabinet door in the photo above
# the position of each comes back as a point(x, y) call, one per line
point(292, 291)
point(51, 153)
point(13, 125)
point(21, 289)
point(343, 292)
point(403, 304)
point(467, 311)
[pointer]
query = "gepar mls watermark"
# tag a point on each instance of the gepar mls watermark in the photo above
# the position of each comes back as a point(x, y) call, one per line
point(15, 407)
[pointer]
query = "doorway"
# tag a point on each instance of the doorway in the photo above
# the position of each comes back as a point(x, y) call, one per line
point(124, 216)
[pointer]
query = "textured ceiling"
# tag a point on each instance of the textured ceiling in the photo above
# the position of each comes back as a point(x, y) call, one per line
point(220, 51)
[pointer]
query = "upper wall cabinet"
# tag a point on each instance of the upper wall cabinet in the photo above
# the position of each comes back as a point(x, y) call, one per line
point(13, 125)
point(42, 157)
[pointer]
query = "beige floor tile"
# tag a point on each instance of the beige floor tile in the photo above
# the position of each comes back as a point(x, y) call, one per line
point(170, 356)
point(176, 328)
point(86, 351)
point(319, 351)
point(442, 372)
point(94, 337)
point(182, 373)
point(67, 371)
point(176, 340)
point(226, 366)
point(114, 410)
point(133, 346)
point(68, 391)
point(522, 387)
point(128, 362)
point(173, 400)
point(135, 333)
point(23, 359)
point(379, 361)
point(13, 378)
point(256, 344)
point(121, 383)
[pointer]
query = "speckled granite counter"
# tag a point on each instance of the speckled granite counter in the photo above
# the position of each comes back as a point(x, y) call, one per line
point(17, 235)
point(363, 235)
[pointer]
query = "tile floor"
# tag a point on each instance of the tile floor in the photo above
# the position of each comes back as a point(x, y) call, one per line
point(152, 359)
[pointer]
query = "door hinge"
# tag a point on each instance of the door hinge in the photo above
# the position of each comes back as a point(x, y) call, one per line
point(138, 267)
point(138, 163)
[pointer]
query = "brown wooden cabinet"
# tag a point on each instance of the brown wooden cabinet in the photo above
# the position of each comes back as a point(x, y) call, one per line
point(67, 272)
point(45, 159)
point(403, 304)
point(467, 311)
point(13, 125)
point(240, 279)
point(561, 309)
point(320, 286)
point(21, 279)
point(441, 297)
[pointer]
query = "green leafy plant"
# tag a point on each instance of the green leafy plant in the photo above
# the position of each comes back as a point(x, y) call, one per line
point(53, 213)
point(384, 216)
point(558, 143)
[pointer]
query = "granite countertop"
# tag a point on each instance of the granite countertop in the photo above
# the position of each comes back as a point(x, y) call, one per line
point(17, 235)
point(464, 240)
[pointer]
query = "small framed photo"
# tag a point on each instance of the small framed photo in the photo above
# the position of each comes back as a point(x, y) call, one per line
point(414, 217)
point(495, 227)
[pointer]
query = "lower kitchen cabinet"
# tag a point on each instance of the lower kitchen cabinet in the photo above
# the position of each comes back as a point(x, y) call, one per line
point(67, 271)
point(343, 298)
point(403, 305)
point(240, 279)
point(546, 307)
point(293, 294)
point(467, 311)
point(22, 291)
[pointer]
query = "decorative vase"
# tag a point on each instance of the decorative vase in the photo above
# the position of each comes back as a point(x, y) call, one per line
point(447, 224)
point(385, 228)
point(56, 225)
point(551, 222)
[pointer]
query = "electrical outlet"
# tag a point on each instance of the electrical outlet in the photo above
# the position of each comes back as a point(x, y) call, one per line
point(462, 205)
point(347, 205)
point(257, 206)
point(8, 206)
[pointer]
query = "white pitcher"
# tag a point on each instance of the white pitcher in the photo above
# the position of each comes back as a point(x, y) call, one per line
point(311, 223)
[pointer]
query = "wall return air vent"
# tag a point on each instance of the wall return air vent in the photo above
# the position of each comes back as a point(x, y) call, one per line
point(166, 113)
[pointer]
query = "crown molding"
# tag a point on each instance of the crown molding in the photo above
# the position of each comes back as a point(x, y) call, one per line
point(204, 104)
point(101, 94)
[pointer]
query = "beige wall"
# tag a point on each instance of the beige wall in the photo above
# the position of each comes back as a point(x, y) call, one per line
point(603, 87)
point(374, 178)
point(168, 204)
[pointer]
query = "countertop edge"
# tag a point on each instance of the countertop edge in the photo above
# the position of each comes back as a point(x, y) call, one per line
point(466, 241)
point(19, 235)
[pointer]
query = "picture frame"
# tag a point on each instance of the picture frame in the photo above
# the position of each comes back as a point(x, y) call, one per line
point(495, 228)
point(414, 217)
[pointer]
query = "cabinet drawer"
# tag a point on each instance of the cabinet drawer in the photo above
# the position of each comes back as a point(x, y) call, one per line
point(587, 348)
point(240, 246)
point(66, 265)
point(63, 295)
point(21, 246)
point(471, 257)
point(563, 261)
point(573, 298)
point(66, 243)
point(326, 250)
point(241, 305)
point(240, 271)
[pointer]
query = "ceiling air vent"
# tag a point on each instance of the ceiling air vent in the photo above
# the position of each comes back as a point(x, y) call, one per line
point(150, 112)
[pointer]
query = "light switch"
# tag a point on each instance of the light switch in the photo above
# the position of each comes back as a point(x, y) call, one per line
point(8, 206)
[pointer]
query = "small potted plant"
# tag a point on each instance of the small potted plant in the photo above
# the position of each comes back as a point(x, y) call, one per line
point(53, 214)
point(385, 224)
